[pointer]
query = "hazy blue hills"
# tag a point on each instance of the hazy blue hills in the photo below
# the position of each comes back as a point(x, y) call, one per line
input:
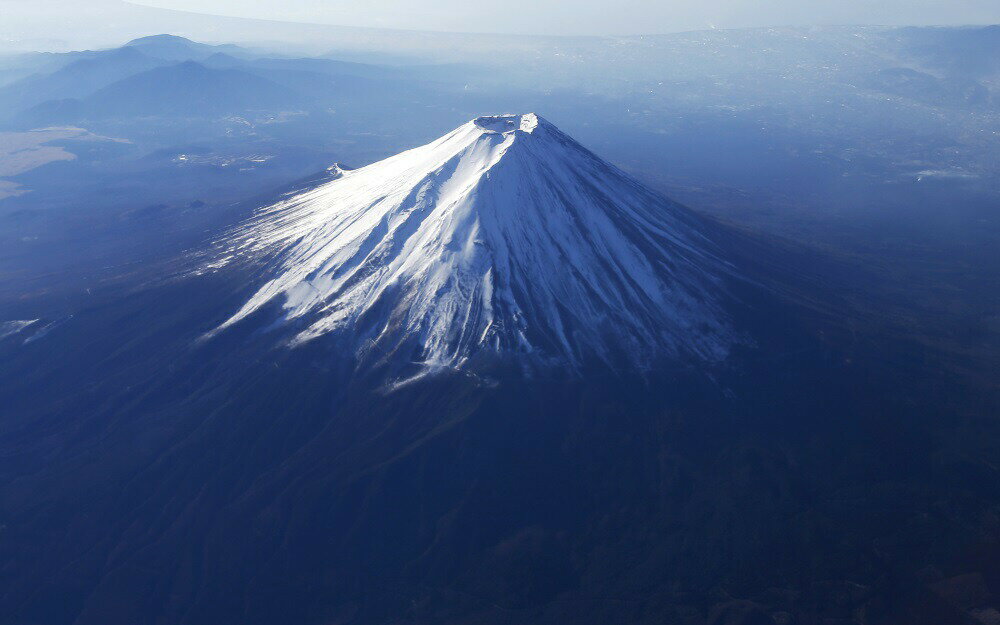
point(78, 79)
point(325, 66)
point(183, 90)
point(35, 67)
point(929, 89)
point(189, 88)
point(165, 76)
point(174, 48)
point(972, 52)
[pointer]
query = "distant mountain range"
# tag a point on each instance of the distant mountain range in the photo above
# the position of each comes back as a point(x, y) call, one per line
point(76, 79)
point(165, 76)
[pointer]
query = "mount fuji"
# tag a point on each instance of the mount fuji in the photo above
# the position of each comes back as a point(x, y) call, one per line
point(503, 238)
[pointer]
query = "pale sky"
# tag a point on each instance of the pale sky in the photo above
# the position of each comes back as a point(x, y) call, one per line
point(78, 24)
point(598, 17)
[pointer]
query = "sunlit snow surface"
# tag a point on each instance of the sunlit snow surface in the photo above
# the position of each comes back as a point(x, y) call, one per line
point(503, 236)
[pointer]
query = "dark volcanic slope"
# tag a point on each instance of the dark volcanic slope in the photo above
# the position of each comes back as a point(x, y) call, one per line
point(145, 480)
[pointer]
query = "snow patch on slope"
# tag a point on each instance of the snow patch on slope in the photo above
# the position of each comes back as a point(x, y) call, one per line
point(8, 328)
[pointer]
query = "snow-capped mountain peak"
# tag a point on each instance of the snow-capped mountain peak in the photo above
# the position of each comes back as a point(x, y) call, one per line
point(502, 238)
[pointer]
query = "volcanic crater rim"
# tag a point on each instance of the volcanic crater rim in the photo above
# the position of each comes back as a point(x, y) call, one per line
point(507, 122)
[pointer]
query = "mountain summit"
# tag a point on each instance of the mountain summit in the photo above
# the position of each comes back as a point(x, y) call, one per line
point(504, 237)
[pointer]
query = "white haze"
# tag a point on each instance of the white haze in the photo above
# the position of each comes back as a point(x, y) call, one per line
point(72, 24)
point(598, 17)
